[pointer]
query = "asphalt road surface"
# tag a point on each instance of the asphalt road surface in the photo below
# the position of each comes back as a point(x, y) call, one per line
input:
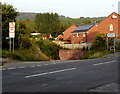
point(59, 76)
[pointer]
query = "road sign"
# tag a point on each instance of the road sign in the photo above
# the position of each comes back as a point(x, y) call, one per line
point(11, 29)
point(111, 35)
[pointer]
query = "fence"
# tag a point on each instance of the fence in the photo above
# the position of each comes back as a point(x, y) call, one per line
point(76, 46)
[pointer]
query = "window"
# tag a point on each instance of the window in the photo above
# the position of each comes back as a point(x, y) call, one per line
point(84, 35)
point(111, 27)
point(73, 35)
point(77, 35)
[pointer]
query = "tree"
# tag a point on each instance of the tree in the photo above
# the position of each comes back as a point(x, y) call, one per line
point(9, 13)
point(47, 23)
point(22, 35)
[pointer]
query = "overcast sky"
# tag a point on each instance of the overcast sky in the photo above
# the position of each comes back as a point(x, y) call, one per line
point(71, 8)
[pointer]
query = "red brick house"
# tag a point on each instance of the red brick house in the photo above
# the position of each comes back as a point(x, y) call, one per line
point(67, 33)
point(60, 37)
point(87, 33)
point(79, 35)
point(111, 24)
point(46, 36)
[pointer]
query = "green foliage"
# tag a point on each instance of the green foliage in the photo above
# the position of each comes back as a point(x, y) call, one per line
point(80, 21)
point(94, 54)
point(98, 48)
point(32, 54)
point(51, 39)
point(8, 15)
point(118, 47)
point(99, 44)
point(48, 48)
point(47, 23)
point(22, 35)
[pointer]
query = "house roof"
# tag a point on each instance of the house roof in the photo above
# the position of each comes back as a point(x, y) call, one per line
point(70, 29)
point(83, 28)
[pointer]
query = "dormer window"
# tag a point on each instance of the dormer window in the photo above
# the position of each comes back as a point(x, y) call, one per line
point(111, 27)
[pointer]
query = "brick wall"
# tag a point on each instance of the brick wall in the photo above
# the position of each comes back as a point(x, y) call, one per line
point(70, 54)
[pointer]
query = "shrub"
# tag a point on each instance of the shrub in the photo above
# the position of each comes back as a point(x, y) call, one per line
point(48, 48)
point(32, 54)
point(94, 54)
point(99, 44)
point(25, 42)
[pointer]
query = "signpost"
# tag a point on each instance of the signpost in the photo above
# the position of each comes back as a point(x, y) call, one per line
point(11, 33)
point(111, 35)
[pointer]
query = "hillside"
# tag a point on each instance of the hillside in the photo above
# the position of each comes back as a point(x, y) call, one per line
point(26, 15)
point(63, 19)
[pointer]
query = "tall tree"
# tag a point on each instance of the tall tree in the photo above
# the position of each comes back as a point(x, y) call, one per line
point(47, 23)
point(9, 13)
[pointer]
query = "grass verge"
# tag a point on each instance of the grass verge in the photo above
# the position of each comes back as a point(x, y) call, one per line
point(93, 54)
point(32, 54)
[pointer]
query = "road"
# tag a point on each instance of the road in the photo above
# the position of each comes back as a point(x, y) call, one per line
point(59, 76)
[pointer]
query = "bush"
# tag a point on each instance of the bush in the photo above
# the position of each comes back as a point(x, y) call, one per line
point(25, 42)
point(32, 54)
point(118, 48)
point(93, 54)
point(99, 44)
point(98, 48)
point(48, 48)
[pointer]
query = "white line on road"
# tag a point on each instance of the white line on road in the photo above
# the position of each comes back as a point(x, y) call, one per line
point(11, 68)
point(33, 66)
point(49, 72)
point(104, 63)
point(39, 65)
point(53, 63)
point(43, 85)
point(22, 67)
point(3, 69)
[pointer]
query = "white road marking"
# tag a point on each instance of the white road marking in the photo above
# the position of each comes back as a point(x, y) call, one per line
point(44, 85)
point(104, 63)
point(22, 67)
point(49, 72)
point(33, 66)
point(3, 69)
point(11, 68)
point(39, 65)
point(54, 63)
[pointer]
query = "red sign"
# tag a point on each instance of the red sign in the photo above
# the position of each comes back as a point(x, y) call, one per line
point(12, 30)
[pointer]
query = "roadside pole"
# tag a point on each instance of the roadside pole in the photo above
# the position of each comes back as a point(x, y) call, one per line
point(13, 45)
point(10, 45)
point(107, 44)
point(11, 35)
point(111, 35)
